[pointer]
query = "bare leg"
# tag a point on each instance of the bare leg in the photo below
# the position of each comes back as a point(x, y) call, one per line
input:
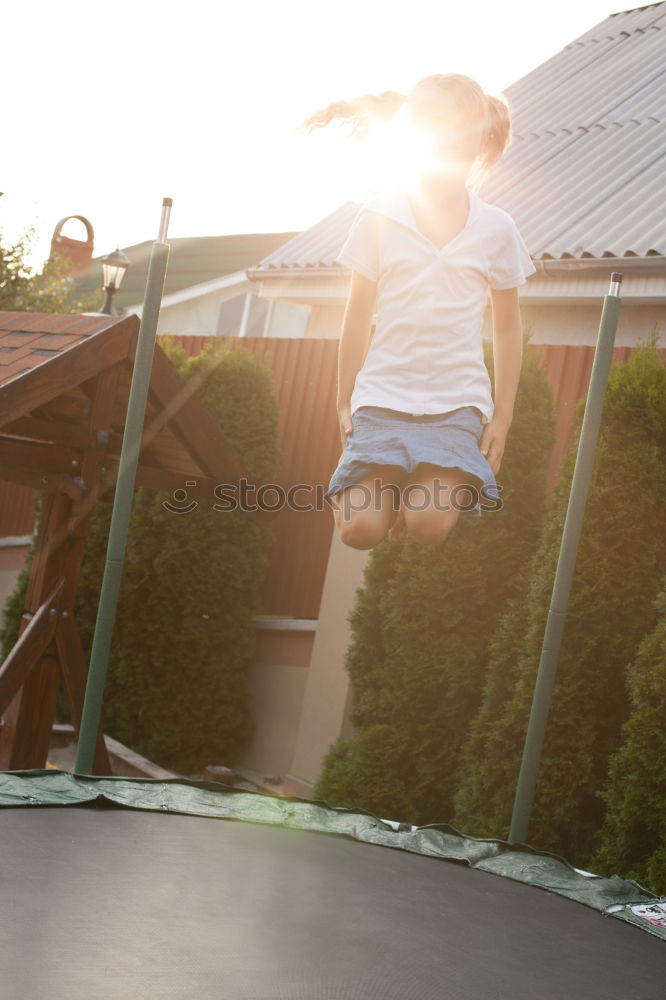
point(365, 511)
point(398, 531)
point(427, 494)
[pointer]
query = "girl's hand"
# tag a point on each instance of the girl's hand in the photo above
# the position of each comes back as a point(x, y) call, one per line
point(493, 441)
point(344, 418)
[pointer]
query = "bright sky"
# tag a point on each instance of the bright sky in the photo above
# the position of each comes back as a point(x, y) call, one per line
point(108, 108)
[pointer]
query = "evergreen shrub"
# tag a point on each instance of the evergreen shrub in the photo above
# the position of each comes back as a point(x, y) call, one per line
point(620, 563)
point(633, 837)
point(183, 642)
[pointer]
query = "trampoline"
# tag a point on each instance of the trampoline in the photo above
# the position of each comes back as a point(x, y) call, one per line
point(133, 888)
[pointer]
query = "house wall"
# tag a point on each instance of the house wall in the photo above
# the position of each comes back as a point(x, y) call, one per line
point(325, 321)
point(554, 323)
point(579, 324)
point(289, 320)
point(300, 692)
point(197, 316)
point(327, 701)
point(200, 316)
point(277, 681)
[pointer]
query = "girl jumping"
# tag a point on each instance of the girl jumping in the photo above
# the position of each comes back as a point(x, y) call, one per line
point(422, 438)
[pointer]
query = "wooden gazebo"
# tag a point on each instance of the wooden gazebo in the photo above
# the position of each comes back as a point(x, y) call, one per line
point(64, 387)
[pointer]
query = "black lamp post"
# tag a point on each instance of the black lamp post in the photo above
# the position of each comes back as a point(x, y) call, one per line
point(114, 266)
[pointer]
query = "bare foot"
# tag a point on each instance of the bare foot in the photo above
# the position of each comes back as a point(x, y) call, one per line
point(398, 531)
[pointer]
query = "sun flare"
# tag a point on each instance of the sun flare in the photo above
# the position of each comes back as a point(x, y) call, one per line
point(396, 154)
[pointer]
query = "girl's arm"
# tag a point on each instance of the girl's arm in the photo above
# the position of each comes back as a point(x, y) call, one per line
point(507, 351)
point(508, 361)
point(354, 341)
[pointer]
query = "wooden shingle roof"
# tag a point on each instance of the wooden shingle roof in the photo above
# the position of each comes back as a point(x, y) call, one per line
point(29, 339)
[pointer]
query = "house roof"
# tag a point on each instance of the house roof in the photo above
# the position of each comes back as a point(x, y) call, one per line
point(64, 389)
point(585, 173)
point(312, 250)
point(192, 261)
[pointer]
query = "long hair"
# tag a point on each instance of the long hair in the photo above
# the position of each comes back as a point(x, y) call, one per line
point(422, 107)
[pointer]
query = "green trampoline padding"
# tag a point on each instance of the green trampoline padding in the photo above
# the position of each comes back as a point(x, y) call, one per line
point(118, 888)
point(616, 897)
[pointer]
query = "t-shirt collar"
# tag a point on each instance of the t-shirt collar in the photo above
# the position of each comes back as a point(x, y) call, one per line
point(394, 204)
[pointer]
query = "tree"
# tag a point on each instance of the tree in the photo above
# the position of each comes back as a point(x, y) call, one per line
point(633, 838)
point(51, 290)
point(619, 567)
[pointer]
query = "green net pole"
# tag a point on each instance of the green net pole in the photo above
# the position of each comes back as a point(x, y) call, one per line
point(123, 500)
point(529, 768)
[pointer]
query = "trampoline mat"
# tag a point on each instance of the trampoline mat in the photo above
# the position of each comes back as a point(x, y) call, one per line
point(106, 902)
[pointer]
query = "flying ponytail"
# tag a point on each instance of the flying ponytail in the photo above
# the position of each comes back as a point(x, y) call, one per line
point(363, 112)
point(492, 114)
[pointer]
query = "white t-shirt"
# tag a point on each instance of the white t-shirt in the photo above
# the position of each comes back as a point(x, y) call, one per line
point(426, 355)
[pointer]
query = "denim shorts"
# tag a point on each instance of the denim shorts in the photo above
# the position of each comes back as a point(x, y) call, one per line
point(381, 436)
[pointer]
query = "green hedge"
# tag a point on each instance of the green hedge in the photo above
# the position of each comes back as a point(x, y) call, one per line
point(633, 838)
point(177, 688)
point(621, 560)
point(420, 629)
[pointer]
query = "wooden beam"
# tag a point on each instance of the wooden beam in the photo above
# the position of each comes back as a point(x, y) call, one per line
point(49, 482)
point(30, 646)
point(58, 432)
point(72, 405)
point(29, 716)
point(156, 478)
point(105, 388)
point(32, 736)
point(94, 437)
point(192, 423)
point(149, 476)
point(42, 457)
point(25, 737)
